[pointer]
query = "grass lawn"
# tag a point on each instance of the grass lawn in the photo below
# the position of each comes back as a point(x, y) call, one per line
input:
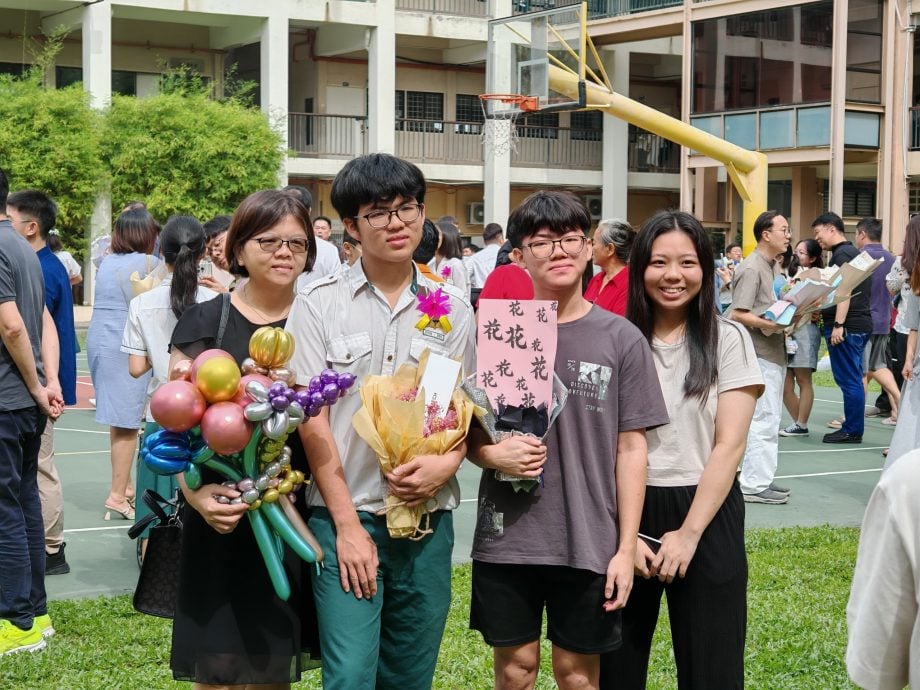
point(797, 594)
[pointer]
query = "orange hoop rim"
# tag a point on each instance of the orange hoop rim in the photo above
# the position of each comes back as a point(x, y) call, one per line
point(527, 104)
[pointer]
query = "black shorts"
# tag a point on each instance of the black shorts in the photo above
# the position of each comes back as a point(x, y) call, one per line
point(508, 602)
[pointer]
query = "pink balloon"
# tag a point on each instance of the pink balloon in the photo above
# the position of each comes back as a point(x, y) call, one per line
point(242, 397)
point(204, 357)
point(225, 429)
point(177, 405)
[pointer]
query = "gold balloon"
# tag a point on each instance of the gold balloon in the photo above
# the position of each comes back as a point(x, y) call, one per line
point(271, 346)
point(270, 495)
point(218, 379)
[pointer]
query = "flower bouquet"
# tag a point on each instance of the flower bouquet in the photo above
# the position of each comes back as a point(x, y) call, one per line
point(398, 424)
point(235, 420)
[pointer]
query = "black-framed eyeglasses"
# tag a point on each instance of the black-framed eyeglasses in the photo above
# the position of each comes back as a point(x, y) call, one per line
point(543, 249)
point(297, 245)
point(380, 218)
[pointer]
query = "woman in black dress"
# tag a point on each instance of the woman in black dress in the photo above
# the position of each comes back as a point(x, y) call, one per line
point(230, 628)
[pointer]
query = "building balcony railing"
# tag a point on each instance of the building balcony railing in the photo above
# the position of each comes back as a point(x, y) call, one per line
point(460, 143)
point(652, 153)
point(597, 9)
point(915, 129)
point(326, 136)
point(466, 8)
point(439, 141)
point(539, 146)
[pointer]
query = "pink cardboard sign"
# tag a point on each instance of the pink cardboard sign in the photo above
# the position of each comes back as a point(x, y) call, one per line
point(516, 351)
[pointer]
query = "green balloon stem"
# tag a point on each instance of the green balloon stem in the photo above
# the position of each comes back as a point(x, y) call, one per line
point(223, 468)
point(193, 477)
point(250, 453)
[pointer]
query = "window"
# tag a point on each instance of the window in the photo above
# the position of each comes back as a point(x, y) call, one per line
point(764, 59)
point(858, 198)
point(420, 111)
point(14, 68)
point(539, 126)
point(123, 82)
point(587, 125)
point(913, 199)
point(468, 114)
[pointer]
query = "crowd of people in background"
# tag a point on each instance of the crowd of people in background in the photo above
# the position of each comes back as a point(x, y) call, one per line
point(699, 377)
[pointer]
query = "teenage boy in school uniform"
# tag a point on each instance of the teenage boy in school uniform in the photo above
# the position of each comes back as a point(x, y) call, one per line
point(382, 602)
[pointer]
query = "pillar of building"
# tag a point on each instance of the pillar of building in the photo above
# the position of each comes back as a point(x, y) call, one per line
point(806, 204)
point(706, 195)
point(273, 79)
point(96, 29)
point(381, 80)
point(496, 168)
point(614, 167)
point(838, 106)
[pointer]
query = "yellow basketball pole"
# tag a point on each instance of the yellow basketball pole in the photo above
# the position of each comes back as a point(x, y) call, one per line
point(747, 169)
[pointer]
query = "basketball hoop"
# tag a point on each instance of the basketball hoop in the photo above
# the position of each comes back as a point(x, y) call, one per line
point(501, 133)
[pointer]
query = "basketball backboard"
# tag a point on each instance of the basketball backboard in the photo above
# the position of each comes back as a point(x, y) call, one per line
point(521, 50)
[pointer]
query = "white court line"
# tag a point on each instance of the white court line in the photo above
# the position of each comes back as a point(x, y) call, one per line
point(82, 452)
point(828, 474)
point(96, 529)
point(81, 431)
point(84, 383)
point(784, 476)
point(836, 450)
point(840, 402)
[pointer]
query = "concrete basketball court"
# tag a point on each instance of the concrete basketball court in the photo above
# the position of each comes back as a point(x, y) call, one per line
point(830, 485)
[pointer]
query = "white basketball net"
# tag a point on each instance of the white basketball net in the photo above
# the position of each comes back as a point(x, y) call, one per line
point(499, 133)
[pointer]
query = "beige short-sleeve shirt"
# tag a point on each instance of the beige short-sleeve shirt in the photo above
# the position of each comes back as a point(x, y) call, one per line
point(753, 292)
point(678, 452)
point(341, 322)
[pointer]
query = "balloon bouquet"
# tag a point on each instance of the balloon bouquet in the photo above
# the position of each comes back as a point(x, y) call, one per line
point(235, 420)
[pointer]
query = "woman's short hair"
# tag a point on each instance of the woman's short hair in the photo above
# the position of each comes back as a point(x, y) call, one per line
point(259, 212)
point(134, 231)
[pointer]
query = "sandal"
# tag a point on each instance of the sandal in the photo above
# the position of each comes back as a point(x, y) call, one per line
point(126, 513)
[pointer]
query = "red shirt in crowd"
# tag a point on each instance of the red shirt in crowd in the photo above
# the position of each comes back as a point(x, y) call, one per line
point(508, 282)
point(613, 296)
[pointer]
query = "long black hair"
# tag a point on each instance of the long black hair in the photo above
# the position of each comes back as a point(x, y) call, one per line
point(813, 249)
point(182, 243)
point(702, 326)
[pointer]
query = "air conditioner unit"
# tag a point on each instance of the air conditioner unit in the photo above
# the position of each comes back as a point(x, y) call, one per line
point(595, 205)
point(476, 213)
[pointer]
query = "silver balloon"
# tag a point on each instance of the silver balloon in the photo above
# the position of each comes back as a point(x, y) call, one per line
point(273, 469)
point(262, 483)
point(250, 496)
point(296, 415)
point(283, 374)
point(257, 411)
point(257, 391)
point(245, 484)
point(275, 427)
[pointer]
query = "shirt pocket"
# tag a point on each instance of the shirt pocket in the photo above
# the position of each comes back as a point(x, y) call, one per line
point(419, 343)
point(351, 353)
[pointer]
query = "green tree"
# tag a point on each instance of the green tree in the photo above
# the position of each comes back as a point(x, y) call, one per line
point(50, 141)
point(184, 152)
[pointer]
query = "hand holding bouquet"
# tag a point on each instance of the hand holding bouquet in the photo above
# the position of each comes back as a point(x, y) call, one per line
point(399, 426)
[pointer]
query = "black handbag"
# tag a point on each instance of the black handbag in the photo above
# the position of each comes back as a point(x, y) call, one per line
point(158, 583)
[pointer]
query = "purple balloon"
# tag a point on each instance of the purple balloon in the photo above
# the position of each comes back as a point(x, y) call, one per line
point(329, 376)
point(280, 403)
point(317, 399)
point(302, 397)
point(331, 392)
point(346, 380)
point(278, 388)
point(314, 410)
point(291, 394)
point(316, 384)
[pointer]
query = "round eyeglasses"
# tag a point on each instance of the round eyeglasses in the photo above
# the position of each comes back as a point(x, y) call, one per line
point(543, 249)
point(380, 219)
point(297, 245)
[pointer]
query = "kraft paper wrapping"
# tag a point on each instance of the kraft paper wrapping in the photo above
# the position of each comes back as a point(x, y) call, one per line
point(393, 429)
